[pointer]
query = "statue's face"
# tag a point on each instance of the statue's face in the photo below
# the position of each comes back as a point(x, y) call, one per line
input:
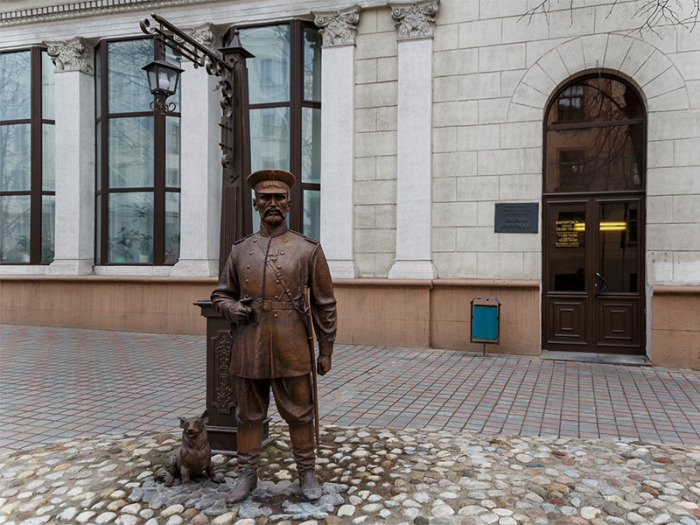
point(272, 207)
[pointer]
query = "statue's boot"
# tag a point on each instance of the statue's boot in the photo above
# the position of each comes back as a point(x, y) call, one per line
point(249, 443)
point(302, 437)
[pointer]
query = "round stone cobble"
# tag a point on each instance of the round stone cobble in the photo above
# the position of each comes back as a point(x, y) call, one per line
point(368, 476)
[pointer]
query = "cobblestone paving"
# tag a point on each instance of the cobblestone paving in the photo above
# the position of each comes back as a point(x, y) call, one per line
point(369, 476)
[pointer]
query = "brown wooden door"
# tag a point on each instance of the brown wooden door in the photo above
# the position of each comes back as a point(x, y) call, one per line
point(593, 274)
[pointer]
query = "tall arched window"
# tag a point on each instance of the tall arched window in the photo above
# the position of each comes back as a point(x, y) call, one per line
point(593, 222)
point(595, 137)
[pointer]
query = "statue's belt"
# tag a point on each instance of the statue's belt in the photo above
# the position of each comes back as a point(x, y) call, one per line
point(267, 305)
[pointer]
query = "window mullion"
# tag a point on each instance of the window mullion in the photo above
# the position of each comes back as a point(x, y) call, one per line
point(159, 190)
point(103, 171)
point(36, 159)
point(296, 95)
point(158, 175)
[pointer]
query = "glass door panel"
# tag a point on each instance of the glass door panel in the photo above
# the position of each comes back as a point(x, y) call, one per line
point(618, 248)
point(567, 248)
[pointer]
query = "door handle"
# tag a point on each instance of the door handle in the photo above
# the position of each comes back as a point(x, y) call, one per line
point(605, 284)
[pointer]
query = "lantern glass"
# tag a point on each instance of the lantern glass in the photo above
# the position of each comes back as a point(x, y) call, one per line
point(162, 77)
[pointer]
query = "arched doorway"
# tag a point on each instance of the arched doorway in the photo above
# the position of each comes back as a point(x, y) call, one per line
point(593, 222)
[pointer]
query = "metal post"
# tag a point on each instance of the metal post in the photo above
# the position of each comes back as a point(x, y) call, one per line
point(236, 210)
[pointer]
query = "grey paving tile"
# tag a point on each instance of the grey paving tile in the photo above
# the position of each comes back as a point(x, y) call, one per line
point(96, 381)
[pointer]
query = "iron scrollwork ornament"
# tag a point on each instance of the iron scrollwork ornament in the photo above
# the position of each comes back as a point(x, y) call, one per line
point(159, 104)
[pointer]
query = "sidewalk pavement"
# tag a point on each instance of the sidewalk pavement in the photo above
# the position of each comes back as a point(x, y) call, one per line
point(58, 383)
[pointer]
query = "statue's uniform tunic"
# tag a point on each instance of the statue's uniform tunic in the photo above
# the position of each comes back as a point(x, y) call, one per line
point(273, 273)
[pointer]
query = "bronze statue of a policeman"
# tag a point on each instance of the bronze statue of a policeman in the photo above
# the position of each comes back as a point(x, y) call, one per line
point(263, 292)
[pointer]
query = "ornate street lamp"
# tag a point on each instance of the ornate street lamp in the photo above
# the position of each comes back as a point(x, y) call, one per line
point(163, 79)
point(230, 66)
point(236, 213)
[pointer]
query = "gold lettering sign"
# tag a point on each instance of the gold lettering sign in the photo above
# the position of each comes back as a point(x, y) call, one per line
point(568, 233)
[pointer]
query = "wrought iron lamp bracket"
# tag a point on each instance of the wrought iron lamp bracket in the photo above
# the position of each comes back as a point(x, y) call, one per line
point(188, 48)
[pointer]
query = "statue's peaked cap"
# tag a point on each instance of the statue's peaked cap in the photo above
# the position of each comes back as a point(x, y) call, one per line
point(271, 180)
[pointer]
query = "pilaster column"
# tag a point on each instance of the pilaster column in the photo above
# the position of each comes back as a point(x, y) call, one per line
point(338, 29)
point(200, 167)
point(414, 148)
point(75, 157)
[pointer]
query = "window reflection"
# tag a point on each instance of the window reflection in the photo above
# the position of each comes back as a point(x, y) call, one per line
point(15, 85)
point(618, 246)
point(269, 71)
point(285, 111)
point(172, 152)
point(312, 64)
point(27, 179)
point(15, 222)
point(48, 214)
point(47, 86)
point(570, 104)
point(141, 171)
point(311, 145)
point(15, 152)
point(595, 138)
point(567, 242)
point(312, 211)
point(131, 152)
point(172, 227)
point(127, 84)
point(269, 138)
point(130, 237)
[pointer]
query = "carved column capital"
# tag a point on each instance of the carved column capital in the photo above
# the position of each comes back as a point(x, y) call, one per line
point(338, 28)
point(203, 34)
point(72, 55)
point(415, 20)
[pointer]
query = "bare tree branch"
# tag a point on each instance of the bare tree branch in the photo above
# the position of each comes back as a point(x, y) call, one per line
point(683, 13)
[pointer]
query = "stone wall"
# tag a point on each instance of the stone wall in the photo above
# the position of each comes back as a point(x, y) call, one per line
point(494, 73)
point(376, 83)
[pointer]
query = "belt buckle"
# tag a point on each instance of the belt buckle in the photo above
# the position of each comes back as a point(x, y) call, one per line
point(266, 305)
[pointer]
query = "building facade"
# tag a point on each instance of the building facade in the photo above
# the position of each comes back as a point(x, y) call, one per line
point(445, 150)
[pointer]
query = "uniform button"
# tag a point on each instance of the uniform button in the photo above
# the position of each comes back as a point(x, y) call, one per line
point(247, 280)
point(285, 240)
point(279, 266)
point(277, 281)
point(247, 266)
point(251, 253)
point(281, 253)
point(274, 315)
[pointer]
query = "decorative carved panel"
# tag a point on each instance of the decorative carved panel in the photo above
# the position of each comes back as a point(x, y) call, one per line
point(72, 55)
point(223, 399)
point(203, 34)
point(415, 20)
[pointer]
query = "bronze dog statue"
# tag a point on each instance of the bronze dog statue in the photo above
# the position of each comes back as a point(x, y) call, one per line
point(193, 457)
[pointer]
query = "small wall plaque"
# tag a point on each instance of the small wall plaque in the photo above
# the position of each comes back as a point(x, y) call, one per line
point(518, 217)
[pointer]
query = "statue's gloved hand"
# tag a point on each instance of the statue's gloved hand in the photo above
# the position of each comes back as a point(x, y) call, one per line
point(323, 365)
point(240, 311)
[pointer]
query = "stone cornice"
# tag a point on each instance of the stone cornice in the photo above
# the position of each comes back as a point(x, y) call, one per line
point(415, 20)
point(338, 28)
point(85, 8)
point(72, 55)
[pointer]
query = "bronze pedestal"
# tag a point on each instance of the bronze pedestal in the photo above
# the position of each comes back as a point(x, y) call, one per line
point(221, 400)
